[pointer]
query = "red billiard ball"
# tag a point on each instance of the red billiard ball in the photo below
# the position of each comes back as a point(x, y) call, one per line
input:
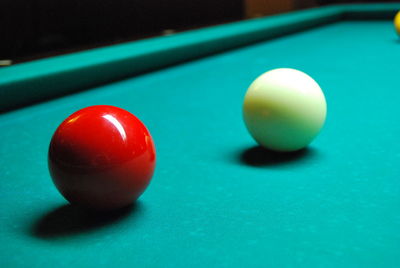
point(101, 157)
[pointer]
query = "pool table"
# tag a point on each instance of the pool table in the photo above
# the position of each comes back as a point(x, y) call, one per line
point(216, 198)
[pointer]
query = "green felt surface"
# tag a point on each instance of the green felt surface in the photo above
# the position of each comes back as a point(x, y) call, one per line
point(215, 199)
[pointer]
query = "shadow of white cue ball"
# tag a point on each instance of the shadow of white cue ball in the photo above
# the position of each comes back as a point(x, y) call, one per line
point(284, 109)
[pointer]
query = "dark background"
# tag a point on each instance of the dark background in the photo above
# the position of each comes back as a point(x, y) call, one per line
point(32, 29)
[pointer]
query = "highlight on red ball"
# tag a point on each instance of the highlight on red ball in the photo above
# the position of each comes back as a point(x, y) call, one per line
point(101, 157)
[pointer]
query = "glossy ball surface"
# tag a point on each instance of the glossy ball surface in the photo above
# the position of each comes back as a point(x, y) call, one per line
point(101, 157)
point(284, 109)
point(397, 22)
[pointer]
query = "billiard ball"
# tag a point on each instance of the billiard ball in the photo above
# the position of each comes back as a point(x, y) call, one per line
point(284, 109)
point(101, 157)
point(397, 22)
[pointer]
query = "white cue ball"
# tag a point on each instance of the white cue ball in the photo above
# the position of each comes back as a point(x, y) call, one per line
point(284, 109)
